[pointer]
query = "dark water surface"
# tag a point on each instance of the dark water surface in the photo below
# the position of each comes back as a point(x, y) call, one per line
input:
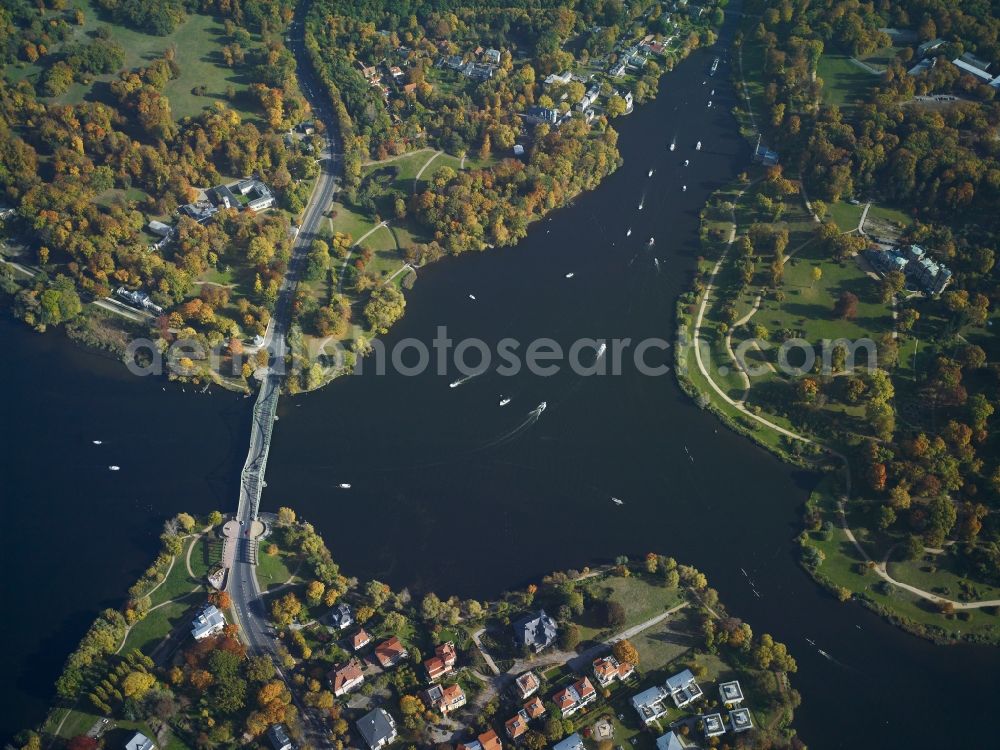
point(452, 493)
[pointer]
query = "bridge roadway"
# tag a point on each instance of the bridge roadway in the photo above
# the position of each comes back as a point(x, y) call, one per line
point(240, 549)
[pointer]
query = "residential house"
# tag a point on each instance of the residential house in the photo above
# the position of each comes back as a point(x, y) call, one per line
point(927, 47)
point(617, 70)
point(390, 652)
point(222, 196)
point(396, 72)
point(924, 65)
point(360, 639)
point(669, 741)
point(588, 99)
point(409, 88)
point(517, 724)
point(142, 300)
point(490, 741)
point(526, 685)
point(561, 78)
point(6, 211)
point(442, 662)
point(607, 669)
point(740, 719)
point(341, 616)
point(571, 699)
point(378, 728)
point(492, 56)
point(200, 211)
point(730, 693)
point(651, 704)
point(534, 708)
point(713, 725)
point(159, 228)
point(209, 621)
point(518, 149)
point(537, 631)
point(912, 261)
point(278, 736)
point(259, 195)
point(536, 115)
point(573, 742)
point(140, 741)
point(683, 688)
point(479, 71)
point(445, 699)
point(344, 679)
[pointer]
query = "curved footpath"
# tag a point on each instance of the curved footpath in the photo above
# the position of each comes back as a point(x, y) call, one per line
point(880, 568)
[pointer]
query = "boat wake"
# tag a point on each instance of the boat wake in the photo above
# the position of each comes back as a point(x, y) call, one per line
point(463, 381)
point(533, 416)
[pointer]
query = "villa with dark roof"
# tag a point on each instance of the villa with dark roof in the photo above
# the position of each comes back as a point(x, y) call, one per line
point(537, 631)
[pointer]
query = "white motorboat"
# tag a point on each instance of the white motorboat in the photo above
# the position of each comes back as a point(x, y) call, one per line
point(616, 501)
point(504, 401)
point(114, 468)
point(97, 442)
point(569, 275)
point(472, 296)
point(344, 485)
point(697, 146)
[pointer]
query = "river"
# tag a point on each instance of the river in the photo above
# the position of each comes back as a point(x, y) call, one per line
point(443, 496)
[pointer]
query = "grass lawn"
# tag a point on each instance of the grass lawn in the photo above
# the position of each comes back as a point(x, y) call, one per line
point(888, 214)
point(845, 215)
point(350, 221)
point(274, 570)
point(178, 583)
point(940, 574)
point(662, 644)
point(152, 629)
point(641, 597)
point(197, 42)
point(844, 83)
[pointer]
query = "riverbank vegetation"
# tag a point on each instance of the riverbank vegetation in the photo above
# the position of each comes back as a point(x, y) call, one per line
point(446, 145)
point(211, 693)
point(912, 416)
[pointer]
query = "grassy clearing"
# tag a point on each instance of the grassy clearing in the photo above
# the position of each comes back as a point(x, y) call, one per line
point(274, 570)
point(206, 554)
point(197, 43)
point(642, 597)
point(844, 82)
point(845, 215)
point(178, 583)
point(844, 566)
point(148, 632)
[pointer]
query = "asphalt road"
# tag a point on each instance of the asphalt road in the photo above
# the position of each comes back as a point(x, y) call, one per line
point(249, 606)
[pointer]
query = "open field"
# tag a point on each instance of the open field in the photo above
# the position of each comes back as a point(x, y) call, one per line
point(197, 44)
point(844, 82)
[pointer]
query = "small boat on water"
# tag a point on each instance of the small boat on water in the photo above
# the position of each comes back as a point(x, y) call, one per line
point(472, 296)
point(684, 189)
point(810, 641)
point(697, 146)
point(616, 501)
point(687, 162)
point(455, 383)
point(570, 275)
point(344, 485)
point(504, 400)
point(601, 349)
point(114, 468)
point(715, 65)
point(541, 407)
point(650, 173)
point(673, 146)
point(709, 102)
point(97, 442)
point(628, 233)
